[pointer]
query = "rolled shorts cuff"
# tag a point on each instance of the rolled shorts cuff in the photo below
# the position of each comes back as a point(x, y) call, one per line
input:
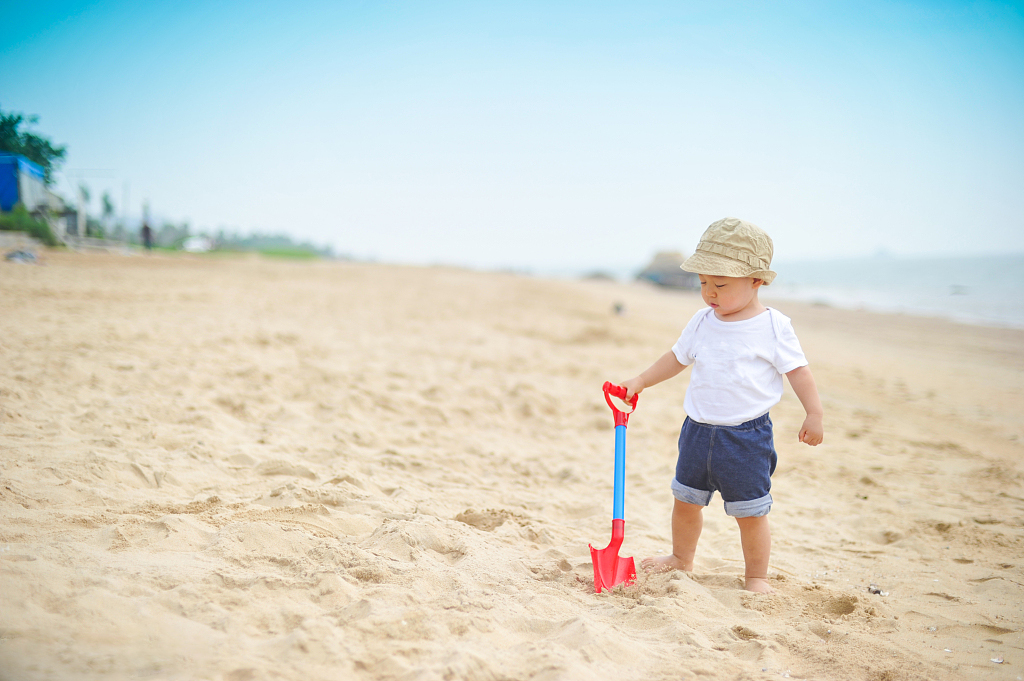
point(737, 509)
point(749, 509)
point(690, 495)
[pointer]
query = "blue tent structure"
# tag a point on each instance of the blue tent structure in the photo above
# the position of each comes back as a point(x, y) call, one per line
point(22, 181)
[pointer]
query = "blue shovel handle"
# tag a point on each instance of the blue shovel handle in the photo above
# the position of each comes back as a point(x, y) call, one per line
point(619, 498)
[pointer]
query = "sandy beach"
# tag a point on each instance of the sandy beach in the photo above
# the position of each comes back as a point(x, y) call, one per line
point(235, 468)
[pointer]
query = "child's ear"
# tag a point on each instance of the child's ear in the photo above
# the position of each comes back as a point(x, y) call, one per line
point(758, 282)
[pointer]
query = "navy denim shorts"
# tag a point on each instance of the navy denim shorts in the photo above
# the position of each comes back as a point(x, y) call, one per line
point(737, 461)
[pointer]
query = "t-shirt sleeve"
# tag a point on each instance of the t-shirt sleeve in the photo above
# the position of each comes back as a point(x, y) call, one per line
point(788, 353)
point(683, 349)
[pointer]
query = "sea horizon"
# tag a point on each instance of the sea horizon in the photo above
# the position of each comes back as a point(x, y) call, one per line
point(981, 290)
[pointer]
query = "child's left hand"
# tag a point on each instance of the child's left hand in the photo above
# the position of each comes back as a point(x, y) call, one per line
point(812, 432)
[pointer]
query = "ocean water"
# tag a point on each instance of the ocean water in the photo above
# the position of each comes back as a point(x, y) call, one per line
point(984, 290)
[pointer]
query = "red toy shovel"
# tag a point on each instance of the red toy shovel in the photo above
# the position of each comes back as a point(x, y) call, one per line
point(609, 568)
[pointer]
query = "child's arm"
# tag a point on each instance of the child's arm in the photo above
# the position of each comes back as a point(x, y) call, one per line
point(802, 380)
point(665, 368)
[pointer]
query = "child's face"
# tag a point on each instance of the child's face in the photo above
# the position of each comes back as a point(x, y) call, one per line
point(730, 297)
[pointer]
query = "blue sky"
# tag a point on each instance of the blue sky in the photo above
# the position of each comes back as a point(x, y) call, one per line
point(549, 136)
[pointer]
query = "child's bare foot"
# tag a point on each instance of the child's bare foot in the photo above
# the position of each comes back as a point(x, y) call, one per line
point(668, 563)
point(758, 585)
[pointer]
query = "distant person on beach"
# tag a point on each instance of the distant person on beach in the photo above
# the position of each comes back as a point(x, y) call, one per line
point(147, 236)
point(739, 350)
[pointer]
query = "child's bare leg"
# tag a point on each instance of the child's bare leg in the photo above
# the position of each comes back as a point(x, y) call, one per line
point(756, 538)
point(687, 522)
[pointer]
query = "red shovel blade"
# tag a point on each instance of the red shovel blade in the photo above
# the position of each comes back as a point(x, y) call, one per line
point(609, 568)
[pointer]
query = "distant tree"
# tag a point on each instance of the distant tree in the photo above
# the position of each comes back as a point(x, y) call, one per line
point(171, 235)
point(35, 148)
point(108, 209)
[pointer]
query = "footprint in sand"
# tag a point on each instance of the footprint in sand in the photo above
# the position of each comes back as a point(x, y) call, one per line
point(488, 520)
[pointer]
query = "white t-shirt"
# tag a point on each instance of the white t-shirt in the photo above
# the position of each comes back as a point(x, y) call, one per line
point(737, 366)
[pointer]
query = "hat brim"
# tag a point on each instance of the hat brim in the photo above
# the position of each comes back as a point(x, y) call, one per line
point(715, 265)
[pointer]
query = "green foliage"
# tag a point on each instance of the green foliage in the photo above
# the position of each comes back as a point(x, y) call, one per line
point(94, 228)
point(108, 206)
point(20, 220)
point(295, 253)
point(279, 245)
point(33, 147)
point(170, 235)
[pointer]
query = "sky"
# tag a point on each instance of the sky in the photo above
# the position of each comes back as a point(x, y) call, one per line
point(539, 136)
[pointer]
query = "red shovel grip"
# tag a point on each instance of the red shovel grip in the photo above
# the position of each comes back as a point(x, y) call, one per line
point(612, 390)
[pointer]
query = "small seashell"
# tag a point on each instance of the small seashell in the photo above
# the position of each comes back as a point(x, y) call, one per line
point(997, 660)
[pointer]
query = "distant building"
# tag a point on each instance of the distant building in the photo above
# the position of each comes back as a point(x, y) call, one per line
point(24, 182)
point(21, 181)
point(198, 244)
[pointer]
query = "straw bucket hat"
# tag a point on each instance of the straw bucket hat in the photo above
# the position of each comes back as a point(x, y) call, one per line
point(733, 248)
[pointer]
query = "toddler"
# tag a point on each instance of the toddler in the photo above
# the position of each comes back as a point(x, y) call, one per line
point(739, 350)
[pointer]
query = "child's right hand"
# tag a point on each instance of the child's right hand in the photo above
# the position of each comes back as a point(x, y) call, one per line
point(633, 386)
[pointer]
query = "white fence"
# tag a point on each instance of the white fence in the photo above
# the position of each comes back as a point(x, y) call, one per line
point(82, 244)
